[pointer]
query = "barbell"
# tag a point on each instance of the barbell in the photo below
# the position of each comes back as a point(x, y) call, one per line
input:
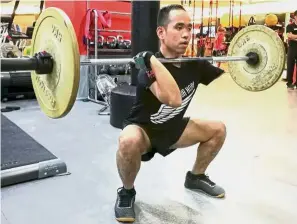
point(256, 59)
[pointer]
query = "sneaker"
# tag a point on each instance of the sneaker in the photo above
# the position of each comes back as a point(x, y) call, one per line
point(203, 184)
point(124, 206)
point(290, 86)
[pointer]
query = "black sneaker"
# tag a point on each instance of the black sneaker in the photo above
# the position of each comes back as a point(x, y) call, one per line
point(290, 86)
point(203, 184)
point(124, 206)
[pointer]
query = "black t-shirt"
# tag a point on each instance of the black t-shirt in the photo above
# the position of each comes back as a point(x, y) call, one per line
point(148, 110)
point(292, 28)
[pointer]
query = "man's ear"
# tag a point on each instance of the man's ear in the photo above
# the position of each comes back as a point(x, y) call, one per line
point(160, 32)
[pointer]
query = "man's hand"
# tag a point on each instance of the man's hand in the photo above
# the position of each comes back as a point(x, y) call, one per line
point(289, 36)
point(155, 76)
point(292, 36)
point(143, 60)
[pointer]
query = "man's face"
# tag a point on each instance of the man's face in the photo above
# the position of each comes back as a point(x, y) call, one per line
point(176, 36)
point(295, 17)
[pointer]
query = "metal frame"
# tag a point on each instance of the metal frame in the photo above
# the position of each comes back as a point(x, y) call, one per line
point(105, 104)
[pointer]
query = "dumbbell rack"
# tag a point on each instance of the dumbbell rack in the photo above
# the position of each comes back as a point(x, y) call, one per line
point(107, 53)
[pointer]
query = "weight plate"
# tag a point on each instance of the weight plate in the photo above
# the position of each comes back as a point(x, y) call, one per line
point(56, 92)
point(270, 49)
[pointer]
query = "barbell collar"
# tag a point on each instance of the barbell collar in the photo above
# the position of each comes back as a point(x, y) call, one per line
point(253, 58)
point(41, 63)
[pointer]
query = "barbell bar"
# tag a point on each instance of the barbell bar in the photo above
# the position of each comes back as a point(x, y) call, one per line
point(256, 59)
point(120, 61)
point(43, 62)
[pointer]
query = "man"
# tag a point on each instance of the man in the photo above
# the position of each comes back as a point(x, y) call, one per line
point(156, 123)
point(291, 31)
point(219, 43)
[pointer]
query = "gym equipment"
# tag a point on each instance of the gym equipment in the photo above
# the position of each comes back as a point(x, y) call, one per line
point(9, 50)
point(113, 70)
point(121, 69)
point(103, 70)
point(269, 49)
point(55, 61)
point(16, 85)
point(24, 159)
point(122, 98)
point(16, 79)
point(127, 44)
point(56, 92)
point(101, 41)
point(120, 42)
point(111, 42)
point(105, 84)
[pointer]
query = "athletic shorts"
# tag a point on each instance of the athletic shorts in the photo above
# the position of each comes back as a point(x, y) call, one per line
point(161, 138)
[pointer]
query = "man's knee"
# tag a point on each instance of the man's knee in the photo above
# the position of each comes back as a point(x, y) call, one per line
point(220, 131)
point(130, 145)
point(133, 141)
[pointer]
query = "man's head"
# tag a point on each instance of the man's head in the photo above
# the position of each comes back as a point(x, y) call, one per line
point(174, 29)
point(295, 16)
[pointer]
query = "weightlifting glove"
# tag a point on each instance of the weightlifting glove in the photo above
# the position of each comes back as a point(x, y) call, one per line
point(142, 60)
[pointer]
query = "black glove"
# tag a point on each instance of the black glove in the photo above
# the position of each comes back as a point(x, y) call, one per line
point(142, 60)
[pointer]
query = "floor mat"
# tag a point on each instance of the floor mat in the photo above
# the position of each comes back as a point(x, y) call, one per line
point(22, 158)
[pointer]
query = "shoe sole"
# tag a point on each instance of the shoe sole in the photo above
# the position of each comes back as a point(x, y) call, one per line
point(203, 192)
point(126, 220)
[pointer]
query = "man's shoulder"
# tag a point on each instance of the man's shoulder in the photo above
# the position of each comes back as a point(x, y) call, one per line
point(291, 25)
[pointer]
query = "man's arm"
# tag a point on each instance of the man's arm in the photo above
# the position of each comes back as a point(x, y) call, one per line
point(292, 36)
point(289, 32)
point(209, 72)
point(158, 79)
point(165, 88)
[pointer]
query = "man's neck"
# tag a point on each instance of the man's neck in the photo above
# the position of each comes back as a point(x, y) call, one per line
point(167, 54)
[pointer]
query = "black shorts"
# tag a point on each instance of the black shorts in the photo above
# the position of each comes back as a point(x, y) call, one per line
point(161, 138)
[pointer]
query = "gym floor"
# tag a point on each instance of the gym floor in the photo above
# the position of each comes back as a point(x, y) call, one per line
point(257, 165)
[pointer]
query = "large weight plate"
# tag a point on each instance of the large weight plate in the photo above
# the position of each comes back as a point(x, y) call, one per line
point(56, 92)
point(270, 48)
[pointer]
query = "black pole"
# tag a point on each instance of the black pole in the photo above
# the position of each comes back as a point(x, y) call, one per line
point(19, 64)
point(143, 30)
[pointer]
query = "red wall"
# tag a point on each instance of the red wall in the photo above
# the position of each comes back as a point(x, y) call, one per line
point(76, 10)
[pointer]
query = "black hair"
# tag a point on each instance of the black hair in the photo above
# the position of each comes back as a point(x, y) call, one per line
point(295, 13)
point(163, 15)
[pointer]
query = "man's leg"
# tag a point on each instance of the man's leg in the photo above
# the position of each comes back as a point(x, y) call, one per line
point(133, 142)
point(211, 136)
point(295, 70)
point(290, 67)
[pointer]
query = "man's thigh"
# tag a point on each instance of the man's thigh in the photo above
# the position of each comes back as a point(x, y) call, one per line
point(197, 131)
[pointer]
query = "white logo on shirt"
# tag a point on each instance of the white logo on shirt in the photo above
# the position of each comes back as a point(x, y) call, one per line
point(165, 113)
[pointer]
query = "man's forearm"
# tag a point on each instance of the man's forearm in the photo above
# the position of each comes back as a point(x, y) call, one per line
point(166, 82)
point(294, 37)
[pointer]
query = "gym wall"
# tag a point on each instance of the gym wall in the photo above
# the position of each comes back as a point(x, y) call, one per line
point(76, 10)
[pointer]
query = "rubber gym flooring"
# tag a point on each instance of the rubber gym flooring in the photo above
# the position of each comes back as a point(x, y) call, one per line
point(257, 165)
